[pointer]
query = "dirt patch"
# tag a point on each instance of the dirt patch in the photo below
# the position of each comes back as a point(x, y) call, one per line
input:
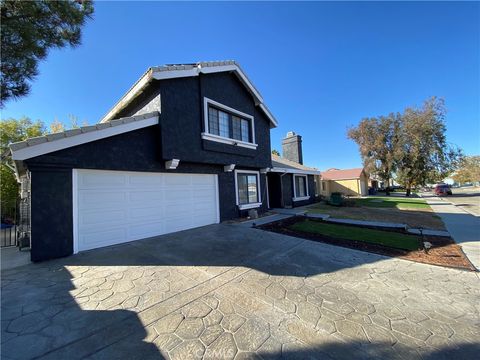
point(444, 251)
point(414, 218)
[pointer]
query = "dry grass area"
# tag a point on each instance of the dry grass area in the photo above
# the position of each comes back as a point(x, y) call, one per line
point(413, 217)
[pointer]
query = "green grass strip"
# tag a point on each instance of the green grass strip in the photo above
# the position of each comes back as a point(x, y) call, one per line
point(385, 238)
point(392, 202)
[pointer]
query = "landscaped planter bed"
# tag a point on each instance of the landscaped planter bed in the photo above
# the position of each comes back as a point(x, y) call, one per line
point(444, 251)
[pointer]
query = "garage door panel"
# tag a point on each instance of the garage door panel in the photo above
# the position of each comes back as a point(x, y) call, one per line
point(178, 195)
point(140, 205)
point(152, 213)
point(92, 240)
point(206, 196)
point(179, 224)
point(153, 181)
point(89, 199)
point(144, 230)
point(202, 180)
point(144, 196)
point(177, 180)
point(102, 217)
point(109, 181)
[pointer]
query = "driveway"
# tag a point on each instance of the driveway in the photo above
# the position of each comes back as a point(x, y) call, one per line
point(228, 291)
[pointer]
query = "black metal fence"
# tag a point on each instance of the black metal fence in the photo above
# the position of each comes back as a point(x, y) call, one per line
point(9, 226)
point(8, 235)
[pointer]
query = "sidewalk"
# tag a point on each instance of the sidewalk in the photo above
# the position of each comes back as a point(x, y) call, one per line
point(462, 226)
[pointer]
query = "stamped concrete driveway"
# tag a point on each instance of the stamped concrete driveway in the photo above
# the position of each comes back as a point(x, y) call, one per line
point(227, 291)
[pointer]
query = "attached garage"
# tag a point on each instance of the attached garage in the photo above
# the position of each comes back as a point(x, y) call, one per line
point(112, 207)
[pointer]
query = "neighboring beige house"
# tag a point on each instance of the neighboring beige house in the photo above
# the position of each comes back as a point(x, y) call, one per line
point(349, 182)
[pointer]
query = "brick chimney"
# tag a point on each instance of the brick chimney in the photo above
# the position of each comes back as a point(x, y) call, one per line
point(292, 147)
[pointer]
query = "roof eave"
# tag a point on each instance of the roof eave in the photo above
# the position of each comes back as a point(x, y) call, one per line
point(294, 171)
point(129, 96)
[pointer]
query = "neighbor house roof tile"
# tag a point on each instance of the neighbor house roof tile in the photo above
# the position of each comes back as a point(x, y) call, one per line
point(336, 174)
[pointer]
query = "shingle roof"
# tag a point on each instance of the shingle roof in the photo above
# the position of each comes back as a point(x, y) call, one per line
point(282, 163)
point(82, 130)
point(336, 174)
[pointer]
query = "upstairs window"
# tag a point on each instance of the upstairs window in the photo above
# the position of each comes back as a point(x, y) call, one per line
point(228, 125)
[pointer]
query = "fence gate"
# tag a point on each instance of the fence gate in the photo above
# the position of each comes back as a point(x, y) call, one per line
point(15, 225)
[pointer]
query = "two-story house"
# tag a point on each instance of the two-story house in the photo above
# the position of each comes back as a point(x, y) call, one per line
point(186, 146)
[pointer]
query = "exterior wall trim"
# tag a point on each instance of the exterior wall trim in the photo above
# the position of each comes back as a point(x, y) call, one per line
point(293, 171)
point(75, 209)
point(217, 196)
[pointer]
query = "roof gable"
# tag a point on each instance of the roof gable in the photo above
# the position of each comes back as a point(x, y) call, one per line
point(189, 70)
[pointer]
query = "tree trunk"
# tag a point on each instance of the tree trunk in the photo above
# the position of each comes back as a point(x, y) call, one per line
point(387, 189)
point(409, 189)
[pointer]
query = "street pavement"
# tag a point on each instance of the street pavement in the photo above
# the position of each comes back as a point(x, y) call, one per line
point(462, 226)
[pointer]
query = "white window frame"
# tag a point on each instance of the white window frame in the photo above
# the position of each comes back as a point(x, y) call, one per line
point(300, 198)
point(226, 140)
point(259, 192)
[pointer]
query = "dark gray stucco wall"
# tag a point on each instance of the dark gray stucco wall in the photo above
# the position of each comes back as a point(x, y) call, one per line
point(183, 119)
point(288, 192)
point(51, 213)
point(52, 224)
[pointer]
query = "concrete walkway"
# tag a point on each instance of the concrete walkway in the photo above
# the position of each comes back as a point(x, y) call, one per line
point(462, 226)
point(11, 257)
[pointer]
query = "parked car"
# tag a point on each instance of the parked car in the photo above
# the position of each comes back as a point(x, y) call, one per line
point(443, 189)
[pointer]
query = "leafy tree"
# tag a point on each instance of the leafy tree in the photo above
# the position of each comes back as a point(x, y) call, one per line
point(29, 30)
point(425, 155)
point(468, 171)
point(56, 126)
point(377, 139)
point(275, 152)
point(12, 130)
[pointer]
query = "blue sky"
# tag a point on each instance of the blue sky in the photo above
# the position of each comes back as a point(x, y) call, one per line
point(321, 67)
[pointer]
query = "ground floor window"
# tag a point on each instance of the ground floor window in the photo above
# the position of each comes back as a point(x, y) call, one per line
point(300, 187)
point(323, 186)
point(247, 188)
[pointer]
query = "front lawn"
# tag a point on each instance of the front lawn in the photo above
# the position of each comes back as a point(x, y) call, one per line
point(443, 252)
point(413, 212)
point(386, 238)
point(392, 202)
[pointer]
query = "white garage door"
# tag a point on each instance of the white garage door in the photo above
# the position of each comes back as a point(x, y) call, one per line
point(112, 207)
